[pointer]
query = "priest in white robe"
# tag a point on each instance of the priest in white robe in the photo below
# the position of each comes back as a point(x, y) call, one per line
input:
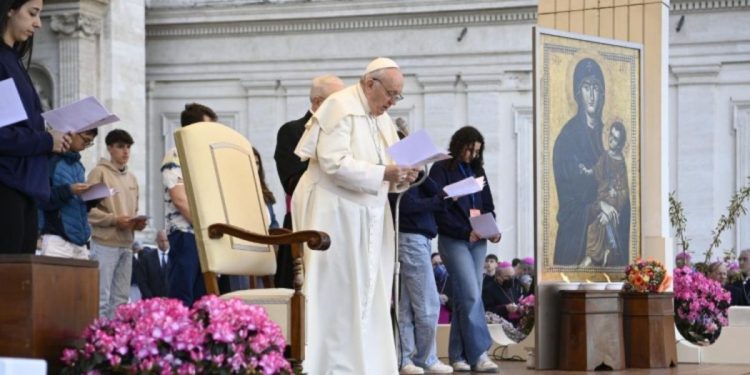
point(344, 193)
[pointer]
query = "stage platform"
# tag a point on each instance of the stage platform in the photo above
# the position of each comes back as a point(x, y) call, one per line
point(519, 368)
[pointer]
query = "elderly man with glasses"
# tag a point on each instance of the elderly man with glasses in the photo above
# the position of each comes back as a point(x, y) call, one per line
point(344, 192)
point(64, 218)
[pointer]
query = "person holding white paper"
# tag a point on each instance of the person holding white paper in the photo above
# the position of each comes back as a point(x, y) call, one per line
point(64, 219)
point(463, 252)
point(113, 223)
point(344, 193)
point(25, 145)
point(419, 301)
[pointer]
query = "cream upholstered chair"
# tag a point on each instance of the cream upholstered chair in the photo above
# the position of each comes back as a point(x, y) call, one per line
point(230, 220)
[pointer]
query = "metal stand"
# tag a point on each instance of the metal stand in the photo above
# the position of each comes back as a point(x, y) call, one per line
point(397, 269)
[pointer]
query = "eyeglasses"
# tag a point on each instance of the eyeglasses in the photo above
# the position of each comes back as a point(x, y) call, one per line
point(394, 95)
point(87, 141)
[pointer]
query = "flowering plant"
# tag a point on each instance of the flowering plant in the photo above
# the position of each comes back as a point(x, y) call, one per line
point(646, 276)
point(526, 323)
point(162, 336)
point(701, 305)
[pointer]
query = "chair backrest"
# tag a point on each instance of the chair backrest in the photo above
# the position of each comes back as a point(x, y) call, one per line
point(222, 185)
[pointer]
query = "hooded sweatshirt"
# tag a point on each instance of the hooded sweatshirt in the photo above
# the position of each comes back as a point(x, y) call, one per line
point(123, 203)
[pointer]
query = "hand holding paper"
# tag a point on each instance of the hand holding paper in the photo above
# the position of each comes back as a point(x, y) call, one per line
point(140, 218)
point(469, 185)
point(80, 116)
point(416, 151)
point(97, 191)
point(484, 225)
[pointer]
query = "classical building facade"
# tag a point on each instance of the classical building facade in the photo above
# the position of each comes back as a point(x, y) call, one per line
point(465, 62)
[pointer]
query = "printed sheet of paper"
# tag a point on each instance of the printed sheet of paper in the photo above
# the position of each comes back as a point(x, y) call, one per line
point(11, 107)
point(82, 115)
point(416, 151)
point(468, 185)
point(484, 225)
point(97, 191)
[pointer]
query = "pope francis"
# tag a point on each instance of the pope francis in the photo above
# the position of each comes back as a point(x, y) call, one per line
point(344, 193)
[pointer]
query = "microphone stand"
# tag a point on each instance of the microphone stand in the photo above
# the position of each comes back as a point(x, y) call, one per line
point(397, 268)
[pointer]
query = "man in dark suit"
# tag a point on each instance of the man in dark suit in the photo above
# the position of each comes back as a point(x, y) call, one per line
point(152, 268)
point(291, 168)
point(740, 290)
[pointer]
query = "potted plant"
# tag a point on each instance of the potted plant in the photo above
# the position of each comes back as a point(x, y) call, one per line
point(162, 336)
point(701, 304)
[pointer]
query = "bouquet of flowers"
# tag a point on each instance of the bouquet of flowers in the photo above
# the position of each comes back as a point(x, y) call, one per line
point(162, 336)
point(701, 306)
point(646, 276)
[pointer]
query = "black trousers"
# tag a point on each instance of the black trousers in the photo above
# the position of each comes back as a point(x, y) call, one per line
point(284, 277)
point(18, 222)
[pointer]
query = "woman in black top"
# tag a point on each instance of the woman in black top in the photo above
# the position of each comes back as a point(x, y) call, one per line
point(24, 145)
point(463, 252)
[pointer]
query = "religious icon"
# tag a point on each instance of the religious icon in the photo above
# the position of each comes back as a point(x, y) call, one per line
point(587, 146)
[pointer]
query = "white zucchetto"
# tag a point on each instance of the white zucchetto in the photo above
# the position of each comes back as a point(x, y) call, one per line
point(380, 63)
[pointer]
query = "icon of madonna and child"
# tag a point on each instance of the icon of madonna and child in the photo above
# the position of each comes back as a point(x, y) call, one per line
point(591, 177)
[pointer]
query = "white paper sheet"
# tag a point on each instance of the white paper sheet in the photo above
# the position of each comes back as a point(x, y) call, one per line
point(468, 185)
point(80, 116)
point(11, 107)
point(97, 191)
point(484, 225)
point(416, 151)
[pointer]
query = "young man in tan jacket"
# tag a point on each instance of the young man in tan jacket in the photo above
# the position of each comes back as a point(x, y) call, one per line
point(113, 222)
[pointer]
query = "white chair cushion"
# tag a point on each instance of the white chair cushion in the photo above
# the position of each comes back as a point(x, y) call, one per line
point(277, 302)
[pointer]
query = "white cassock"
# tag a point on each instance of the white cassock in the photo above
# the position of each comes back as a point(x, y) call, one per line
point(342, 193)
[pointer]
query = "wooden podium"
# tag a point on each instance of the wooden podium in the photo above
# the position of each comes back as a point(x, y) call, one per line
point(648, 318)
point(46, 304)
point(591, 336)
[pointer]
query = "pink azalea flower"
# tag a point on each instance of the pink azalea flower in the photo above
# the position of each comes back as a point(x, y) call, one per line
point(162, 336)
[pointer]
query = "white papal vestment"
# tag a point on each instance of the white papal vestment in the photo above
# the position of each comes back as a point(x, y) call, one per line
point(348, 287)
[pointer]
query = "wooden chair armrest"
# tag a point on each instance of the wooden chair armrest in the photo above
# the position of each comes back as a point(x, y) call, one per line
point(278, 231)
point(315, 240)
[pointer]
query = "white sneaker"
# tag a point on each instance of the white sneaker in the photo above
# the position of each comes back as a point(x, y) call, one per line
point(439, 368)
point(485, 365)
point(411, 369)
point(461, 366)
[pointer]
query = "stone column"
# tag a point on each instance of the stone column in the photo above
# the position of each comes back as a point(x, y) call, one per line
point(696, 147)
point(79, 54)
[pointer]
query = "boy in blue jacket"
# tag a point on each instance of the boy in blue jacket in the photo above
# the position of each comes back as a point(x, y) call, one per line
point(64, 218)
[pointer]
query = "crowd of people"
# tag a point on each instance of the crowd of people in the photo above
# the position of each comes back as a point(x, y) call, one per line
point(733, 275)
point(337, 175)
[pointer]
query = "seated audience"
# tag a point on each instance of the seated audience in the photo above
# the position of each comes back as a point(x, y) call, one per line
point(443, 286)
point(741, 289)
point(718, 271)
point(490, 265)
point(502, 296)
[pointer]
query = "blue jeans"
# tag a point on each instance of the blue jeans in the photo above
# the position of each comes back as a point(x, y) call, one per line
point(184, 276)
point(469, 336)
point(419, 303)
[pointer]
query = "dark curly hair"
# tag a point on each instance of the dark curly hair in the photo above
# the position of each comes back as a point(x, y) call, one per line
point(463, 139)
